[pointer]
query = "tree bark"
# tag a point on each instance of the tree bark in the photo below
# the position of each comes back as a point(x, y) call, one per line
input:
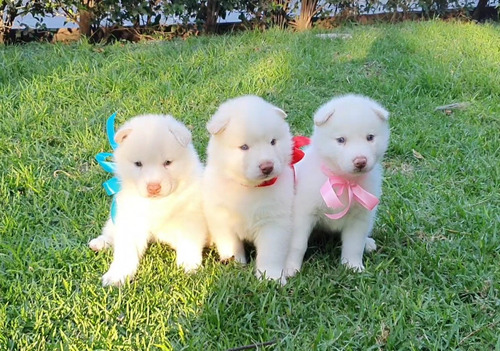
point(212, 15)
point(11, 14)
point(86, 18)
point(477, 14)
point(2, 28)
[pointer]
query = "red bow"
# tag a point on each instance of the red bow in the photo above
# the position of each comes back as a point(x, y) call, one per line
point(298, 142)
point(297, 155)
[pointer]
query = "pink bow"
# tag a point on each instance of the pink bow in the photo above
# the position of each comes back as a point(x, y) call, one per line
point(335, 186)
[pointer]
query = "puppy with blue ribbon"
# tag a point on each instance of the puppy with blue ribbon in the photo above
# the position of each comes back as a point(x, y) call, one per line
point(156, 194)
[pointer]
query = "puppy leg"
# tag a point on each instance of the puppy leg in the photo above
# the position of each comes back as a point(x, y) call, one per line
point(370, 245)
point(271, 245)
point(188, 256)
point(227, 242)
point(303, 226)
point(189, 247)
point(129, 245)
point(230, 246)
point(354, 242)
point(105, 240)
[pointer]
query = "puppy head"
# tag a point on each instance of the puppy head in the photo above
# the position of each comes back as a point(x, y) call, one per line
point(250, 140)
point(351, 134)
point(154, 154)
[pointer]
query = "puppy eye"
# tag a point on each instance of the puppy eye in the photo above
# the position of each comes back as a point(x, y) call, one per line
point(370, 137)
point(244, 147)
point(138, 164)
point(167, 163)
point(273, 142)
point(341, 140)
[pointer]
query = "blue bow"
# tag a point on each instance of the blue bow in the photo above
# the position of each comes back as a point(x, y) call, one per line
point(112, 186)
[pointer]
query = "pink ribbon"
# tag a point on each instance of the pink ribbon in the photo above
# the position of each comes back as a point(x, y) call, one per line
point(335, 187)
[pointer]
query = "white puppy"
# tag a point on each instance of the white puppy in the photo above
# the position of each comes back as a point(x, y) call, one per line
point(350, 137)
point(248, 183)
point(159, 200)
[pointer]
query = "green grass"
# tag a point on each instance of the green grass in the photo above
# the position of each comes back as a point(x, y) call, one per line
point(433, 284)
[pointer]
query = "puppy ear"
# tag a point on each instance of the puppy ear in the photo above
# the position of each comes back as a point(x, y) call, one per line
point(323, 115)
point(281, 113)
point(218, 122)
point(180, 132)
point(122, 134)
point(381, 112)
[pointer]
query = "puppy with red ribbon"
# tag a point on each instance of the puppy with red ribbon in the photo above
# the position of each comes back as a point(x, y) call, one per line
point(248, 184)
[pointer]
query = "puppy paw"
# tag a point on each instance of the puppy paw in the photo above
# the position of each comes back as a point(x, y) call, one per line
point(236, 258)
point(116, 277)
point(272, 274)
point(189, 264)
point(355, 265)
point(281, 279)
point(98, 244)
point(370, 245)
point(189, 258)
point(291, 270)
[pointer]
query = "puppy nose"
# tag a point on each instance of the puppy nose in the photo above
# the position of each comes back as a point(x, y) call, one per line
point(266, 167)
point(153, 188)
point(360, 162)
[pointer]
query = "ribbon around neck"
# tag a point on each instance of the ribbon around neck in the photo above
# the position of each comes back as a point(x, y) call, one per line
point(298, 142)
point(111, 186)
point(297, 155)
point(335, 187)
point(267, 182)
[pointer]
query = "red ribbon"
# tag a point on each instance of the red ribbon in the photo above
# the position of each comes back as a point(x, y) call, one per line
point(297, 155)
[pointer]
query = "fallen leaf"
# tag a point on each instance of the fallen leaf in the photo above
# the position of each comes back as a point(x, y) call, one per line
point(121, 317)
point(417, 154)
point(454, 106)
point(334, 36)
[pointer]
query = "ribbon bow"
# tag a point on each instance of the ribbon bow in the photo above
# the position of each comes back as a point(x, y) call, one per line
point(297, 155)
point(335, 187)
point(111, 186)
point(298, 142)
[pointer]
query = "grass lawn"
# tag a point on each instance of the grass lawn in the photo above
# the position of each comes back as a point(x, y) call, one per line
point(433, 283)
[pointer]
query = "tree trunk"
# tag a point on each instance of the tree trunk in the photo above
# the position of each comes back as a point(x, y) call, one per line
point(86, 18)
point(11, 14)
point(212, 15)
point(2, 28)
point(478, 12)
point(280, 16)
point(308, 9)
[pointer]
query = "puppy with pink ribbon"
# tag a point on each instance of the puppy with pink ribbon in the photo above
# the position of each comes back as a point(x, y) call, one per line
point(339, 180)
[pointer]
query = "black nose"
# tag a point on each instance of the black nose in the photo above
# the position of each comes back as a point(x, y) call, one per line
point(266, 167)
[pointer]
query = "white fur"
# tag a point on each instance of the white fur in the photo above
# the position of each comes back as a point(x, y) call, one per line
point(173, 215)
point(236, 209)
point(353, 118)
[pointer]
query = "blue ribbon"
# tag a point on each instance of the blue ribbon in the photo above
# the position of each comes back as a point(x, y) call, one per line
point(112, 186)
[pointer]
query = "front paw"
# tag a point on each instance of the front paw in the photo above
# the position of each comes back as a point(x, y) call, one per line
point(98, 244)
point(234, 258)
point(280, 279)
point(355, 265)
point(189, 262)
point(117, 276)
point(276, 274)
point(291, 270)
point(370, 245)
